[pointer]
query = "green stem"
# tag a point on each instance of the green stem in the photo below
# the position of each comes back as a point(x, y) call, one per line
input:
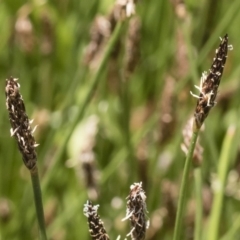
point(199, 208)
point(38, 203)
point(223, 168)
point(67, 215)
point(81, 110)
point(223, 24)
point(234, 232)
point(125, 118)
point(184, 186)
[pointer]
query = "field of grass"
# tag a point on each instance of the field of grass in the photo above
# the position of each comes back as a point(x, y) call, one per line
point(111, 98)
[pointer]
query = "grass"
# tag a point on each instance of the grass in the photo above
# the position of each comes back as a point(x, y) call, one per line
point(139, 121)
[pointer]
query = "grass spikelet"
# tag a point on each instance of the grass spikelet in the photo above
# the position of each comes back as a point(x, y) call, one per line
point(20, 123)
point(209, 83)
point(137, 212)
point(96, 228)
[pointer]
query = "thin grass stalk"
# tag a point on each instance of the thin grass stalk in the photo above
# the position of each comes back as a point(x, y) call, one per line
point(67, 215)
point(120, 156)
point(81, 110)
point(199, 207)
point(223, 24)
point(234, 231)
point(126, 105)
point(184, 187)
point(38, 202)
point(130, 60)
point(193, 65)
point(223, 167)
point(66, 101)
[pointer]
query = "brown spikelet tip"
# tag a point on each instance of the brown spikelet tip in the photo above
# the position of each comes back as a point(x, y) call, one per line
point(96, 228)
point(209, 83)
point(20, 123)
point(137, 212)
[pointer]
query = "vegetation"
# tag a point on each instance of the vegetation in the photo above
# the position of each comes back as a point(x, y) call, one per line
point(111, 98)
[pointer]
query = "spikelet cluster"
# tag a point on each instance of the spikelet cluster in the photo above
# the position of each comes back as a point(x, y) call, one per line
point(137, 212)
point(96, 228)
point(20, 123)
point(209, 83)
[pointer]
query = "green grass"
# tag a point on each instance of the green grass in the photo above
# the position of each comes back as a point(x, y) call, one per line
point(54, 86)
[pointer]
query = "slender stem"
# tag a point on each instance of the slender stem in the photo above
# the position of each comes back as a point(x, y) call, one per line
point(234, 231)
point(38, 203)
point(184, 186)
point(81, 110)
point(199, 208)
point(223, 168)
point(67, 214)
point(126, 105)
point(222, 25)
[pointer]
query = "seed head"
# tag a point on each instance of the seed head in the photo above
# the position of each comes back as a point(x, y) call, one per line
point(20, 123)
point(209, 83)
point(96, 228)
point(137, 212)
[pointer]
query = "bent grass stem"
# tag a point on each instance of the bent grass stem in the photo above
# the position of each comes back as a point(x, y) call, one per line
point(81, 110)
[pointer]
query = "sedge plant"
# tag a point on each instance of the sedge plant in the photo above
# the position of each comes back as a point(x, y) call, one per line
point(206, 100)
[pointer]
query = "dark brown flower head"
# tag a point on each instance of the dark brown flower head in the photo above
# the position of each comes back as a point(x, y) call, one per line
point(20, 123)
point(209, 83)
point(96, 228)
point(137, 212)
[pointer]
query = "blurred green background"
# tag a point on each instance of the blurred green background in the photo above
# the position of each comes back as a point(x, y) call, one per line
point(131, 130)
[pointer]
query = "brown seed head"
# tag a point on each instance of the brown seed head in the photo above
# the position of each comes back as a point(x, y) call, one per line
point(20, 123)
point(96, 228)
point(137, 212)
point(209, 83)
